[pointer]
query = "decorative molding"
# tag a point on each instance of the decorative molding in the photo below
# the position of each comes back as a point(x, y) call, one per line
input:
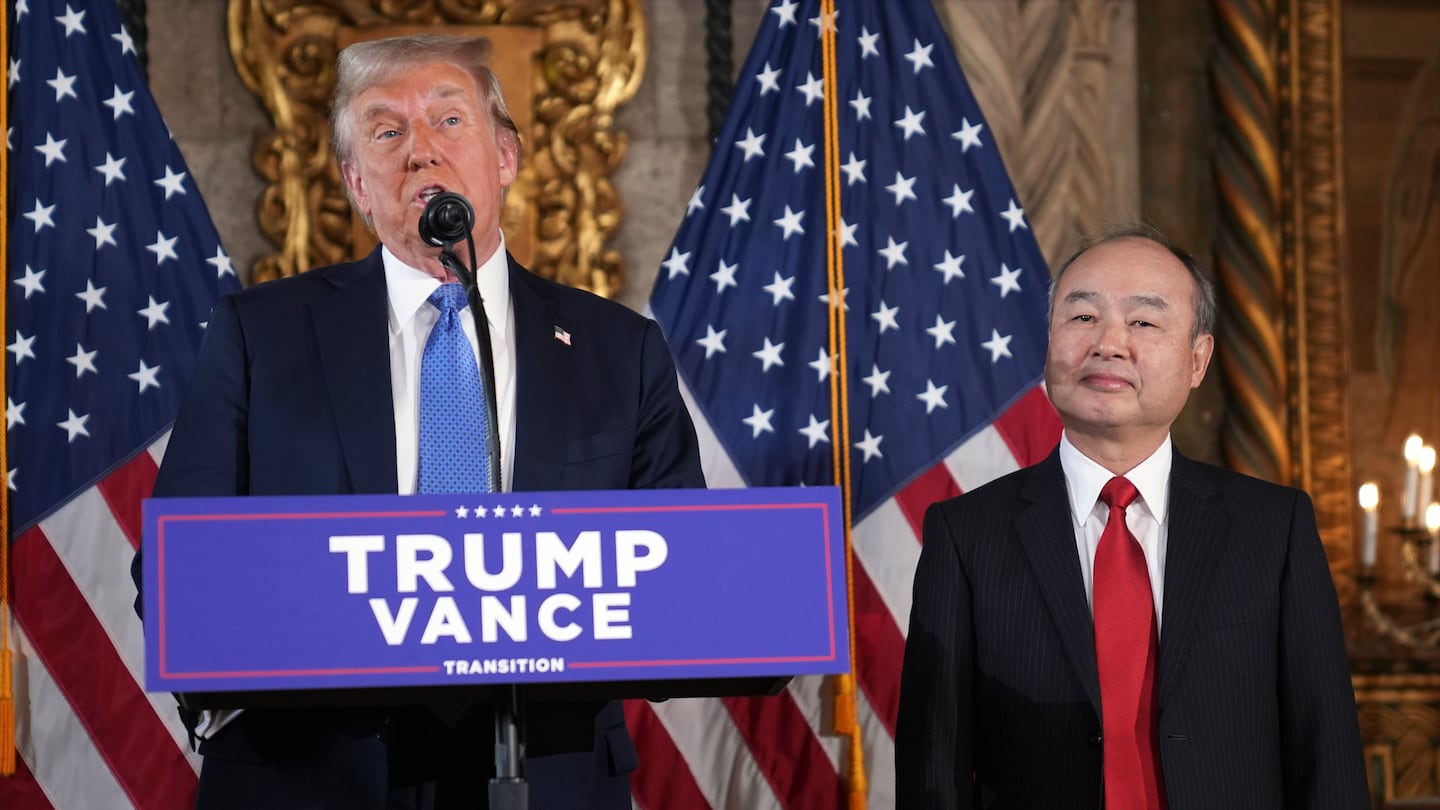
point(1400, 724)
point(590, 59)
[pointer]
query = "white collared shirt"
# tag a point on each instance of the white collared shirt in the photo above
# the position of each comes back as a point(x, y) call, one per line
point(411, 319)
point(1084, 478)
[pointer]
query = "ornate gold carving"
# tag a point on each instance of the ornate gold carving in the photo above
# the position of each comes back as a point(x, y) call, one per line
point(590, 60)
point(1400, 724)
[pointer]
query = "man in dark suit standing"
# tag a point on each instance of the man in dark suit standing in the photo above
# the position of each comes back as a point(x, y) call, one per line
point(313, 385)
point(1120, 626)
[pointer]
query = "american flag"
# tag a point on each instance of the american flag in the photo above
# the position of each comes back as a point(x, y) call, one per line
point(945, 292)
point(113, 266)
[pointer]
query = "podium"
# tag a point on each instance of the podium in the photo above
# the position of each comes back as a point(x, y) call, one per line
point(531, 596)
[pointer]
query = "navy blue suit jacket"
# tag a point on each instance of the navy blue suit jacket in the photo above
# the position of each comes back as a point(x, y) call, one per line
point(291, 395)
point(1000, 695)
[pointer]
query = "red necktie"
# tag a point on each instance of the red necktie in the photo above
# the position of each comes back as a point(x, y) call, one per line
point(1125, 652)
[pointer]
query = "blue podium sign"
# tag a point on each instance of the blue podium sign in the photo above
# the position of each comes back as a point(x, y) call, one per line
point(287, 593)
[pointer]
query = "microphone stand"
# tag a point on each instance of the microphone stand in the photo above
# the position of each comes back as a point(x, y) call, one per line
point(508, 789)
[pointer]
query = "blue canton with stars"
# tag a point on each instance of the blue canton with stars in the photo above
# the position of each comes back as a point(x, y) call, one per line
point(113, 261)
point(946, 286)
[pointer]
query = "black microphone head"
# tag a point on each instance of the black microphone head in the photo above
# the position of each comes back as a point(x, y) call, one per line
point(447, 219)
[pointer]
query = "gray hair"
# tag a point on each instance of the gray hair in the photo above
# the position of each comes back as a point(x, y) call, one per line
point(1204, 288)
point(366, 64)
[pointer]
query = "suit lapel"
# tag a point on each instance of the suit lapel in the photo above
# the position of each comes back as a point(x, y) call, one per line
point(351, 333)
point(1047, 535)
point(1198, 531)
point(546, 376)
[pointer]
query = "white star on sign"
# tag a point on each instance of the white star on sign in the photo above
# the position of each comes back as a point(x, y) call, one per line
point(919, 56)
point(41, 216)
point(813, 88)
point(885, 316)
point(53, 150)
point(517, 511)
point(959, 201)
point(870, 446)
point(867, 43)
point(879, 381)
point(120, 103)
point(933, 397)
point(1008, 281)
point(83, 361)
point(800, 156)
point(854, 169)
point(968, 134)
point(910, 124)
point(72, 20)
point(779, 289)
point(713, 341)
point(75, 425)
point(696, 203)
point(738, 210)
point(103, 233)
point(894, 253)
point(31, 282)
point(145, 377)
point(535, 510)
point(769, 79)
point(113, 168)
point(676, 263)
point(816, 431)
point(903, 188)
point(823, 365)
point(14, 413)
point(790, 223)
point(462, 512)
point(999, 346)
point(154, 311)
point(163, 247)
point(172, 182)
point(769, 355)
point(759, 421)
point(943, 331)
point(221, 262)
point(1015, 216)
point(861, 103)
point(951, 267)
point(22, 347)
point(93, 296)
point(754, 145)
point(724, 276)
point(64, 85)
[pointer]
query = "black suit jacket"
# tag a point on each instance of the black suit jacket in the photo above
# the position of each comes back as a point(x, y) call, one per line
point(291, 395)
point(1000, 696)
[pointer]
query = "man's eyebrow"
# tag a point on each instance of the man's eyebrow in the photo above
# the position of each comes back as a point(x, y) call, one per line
point(1147, 300)
point(442, 91)
point(1081, 295)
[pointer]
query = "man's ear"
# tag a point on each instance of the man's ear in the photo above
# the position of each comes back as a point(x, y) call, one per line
point(507, 150)
point(356, 186)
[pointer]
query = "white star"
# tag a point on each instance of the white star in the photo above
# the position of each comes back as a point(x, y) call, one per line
point(83, 361)
point(790, 223)
point(221, 262)
point(75, 425)
point(959, 201)
point(903, 188)
point(93, 296)
point(998, 345)
point(800, 156)
point(1007, 281)
point(1014, 215)
point(14, 73)
point(120, 102)
point(854, 169)
point(844, 298)
point(53, 150)
point(535, 510)
point(894, 253)
point(127, 45)
point(738, 210)
point(861, 103)
point(823, 365)
point(72, 20)
point(145, 377)
point(498, 512)
point(104, 234)
point(10, 478)
point(113, 168)
point(163, 248)
point(879, 381)
point(759, 421)
point(933, 397)
point(816, 431)
point(919, 56)
point(769, 355)
point(754, 145)
point(968, 135)
point(724, 276)
point(696, 203)
point(64, 85)
point(885, 316)
point(154, 311)
point(21, 7)
point(870, 446)
point(943, 331)
point(813, 88)
point(14, 413)
point(517, 511)
point(713, 341)
point(951, 267)
point(41, 216)
point(847, 234)
point(779, 289)
point(171, 182)
point(769, 79)
point(867, 43)
point(786, 12)
point(910, 124)
point(824, 22)
point(22, 347)
point(31, 282)
point(676, 263)
point(460, 511)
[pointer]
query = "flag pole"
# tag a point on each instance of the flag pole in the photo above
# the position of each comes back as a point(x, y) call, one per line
point(7, 691)
point(846, 709)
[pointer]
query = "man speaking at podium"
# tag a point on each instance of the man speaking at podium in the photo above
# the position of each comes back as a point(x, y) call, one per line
point(364, 378)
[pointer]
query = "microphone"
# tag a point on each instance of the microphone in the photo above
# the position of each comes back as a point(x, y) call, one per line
point(446, 220)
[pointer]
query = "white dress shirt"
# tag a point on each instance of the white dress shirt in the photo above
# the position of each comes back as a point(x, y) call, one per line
point(1084, 479)
point(411, 319)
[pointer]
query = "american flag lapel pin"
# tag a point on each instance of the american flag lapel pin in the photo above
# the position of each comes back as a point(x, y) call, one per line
point(561, 335)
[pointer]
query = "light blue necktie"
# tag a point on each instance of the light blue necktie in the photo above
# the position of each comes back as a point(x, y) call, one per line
point(454, 432)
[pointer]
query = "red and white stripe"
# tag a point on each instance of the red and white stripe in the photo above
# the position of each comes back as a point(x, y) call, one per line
point(773, 753)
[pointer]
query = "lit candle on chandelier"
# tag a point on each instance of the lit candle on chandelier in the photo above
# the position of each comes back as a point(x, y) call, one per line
point(1369, 500)
point(1427, 480)
point(1432, 525)
point(1411, 508)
